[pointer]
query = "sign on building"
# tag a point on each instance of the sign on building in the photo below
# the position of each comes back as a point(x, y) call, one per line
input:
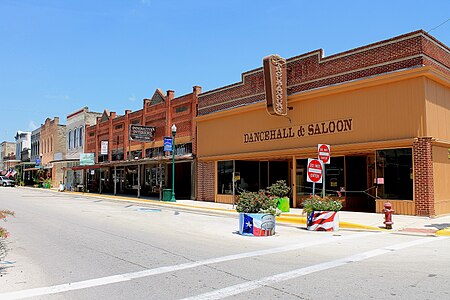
point(104, 148)
point(142, 133)
point(87, 159)
point(275, 84)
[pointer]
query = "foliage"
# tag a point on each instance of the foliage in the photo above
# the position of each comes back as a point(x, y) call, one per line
point(257, 202)
point(3, 215)
point(279, 189)
point(318, 203)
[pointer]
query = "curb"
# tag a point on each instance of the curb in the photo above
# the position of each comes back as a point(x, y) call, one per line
point(443, 232)
point(293, 219)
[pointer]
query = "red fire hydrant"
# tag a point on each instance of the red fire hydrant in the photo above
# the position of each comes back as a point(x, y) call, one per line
point(388, 215)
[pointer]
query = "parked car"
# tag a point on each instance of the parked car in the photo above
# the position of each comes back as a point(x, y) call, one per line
point(4, 181)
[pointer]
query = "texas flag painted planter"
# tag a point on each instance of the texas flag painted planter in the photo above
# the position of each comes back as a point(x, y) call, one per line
point(323, 221)
point(256, 224)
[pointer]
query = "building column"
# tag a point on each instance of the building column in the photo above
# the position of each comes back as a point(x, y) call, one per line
point(423, 177)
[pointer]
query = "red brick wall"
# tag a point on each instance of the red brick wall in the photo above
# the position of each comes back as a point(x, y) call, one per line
point(312, 70)
point(205, 181)
point(423, 177)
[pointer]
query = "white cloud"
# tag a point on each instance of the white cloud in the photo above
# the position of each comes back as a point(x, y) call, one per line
point(32, 126)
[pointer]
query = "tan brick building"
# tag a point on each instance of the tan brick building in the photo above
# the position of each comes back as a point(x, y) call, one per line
point(384, 108)
point(53, 149)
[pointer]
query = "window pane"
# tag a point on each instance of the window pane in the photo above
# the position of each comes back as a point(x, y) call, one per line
point(224, 177)
point(395, 167)
point(81, 137)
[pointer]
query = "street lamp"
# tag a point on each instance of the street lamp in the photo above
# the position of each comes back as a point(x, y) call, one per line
point(174, 132)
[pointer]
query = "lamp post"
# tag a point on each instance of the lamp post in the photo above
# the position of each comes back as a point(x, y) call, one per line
point(174, 132)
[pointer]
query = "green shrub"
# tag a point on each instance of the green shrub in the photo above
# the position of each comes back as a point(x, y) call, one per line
point(279, 189)
point(318, 203)
point(256, 202)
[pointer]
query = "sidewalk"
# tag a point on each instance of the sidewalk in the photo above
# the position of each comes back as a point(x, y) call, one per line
point(347, 220)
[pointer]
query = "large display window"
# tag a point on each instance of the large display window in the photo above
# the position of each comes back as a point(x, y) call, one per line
point(395, 174)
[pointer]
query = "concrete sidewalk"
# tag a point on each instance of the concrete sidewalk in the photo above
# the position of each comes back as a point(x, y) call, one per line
point(347, 220)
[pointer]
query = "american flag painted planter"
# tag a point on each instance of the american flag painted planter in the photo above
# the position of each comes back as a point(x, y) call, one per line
point(256, 224)
point(323, 221)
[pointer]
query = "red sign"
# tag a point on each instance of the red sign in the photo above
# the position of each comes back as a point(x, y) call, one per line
point(324, 153)
point(314, 170)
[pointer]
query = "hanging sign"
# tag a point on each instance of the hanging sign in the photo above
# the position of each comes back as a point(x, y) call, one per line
point(314, 170)
point(324, 153)
point(167, 143)
point(275, 84)
point(142, 133)
point(87, 159)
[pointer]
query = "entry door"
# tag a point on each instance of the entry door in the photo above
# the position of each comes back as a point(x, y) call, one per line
point(356, 185)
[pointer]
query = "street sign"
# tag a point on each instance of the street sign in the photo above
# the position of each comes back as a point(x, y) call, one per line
point(324, 153)
point(167, 143)
point(314, 170)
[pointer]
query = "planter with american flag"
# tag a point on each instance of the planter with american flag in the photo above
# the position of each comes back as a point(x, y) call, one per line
point(323, 221)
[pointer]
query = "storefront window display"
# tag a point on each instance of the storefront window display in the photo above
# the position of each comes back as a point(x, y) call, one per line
point(395, 174)
point(250, 175)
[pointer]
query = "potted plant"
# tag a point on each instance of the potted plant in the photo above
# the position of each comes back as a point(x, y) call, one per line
point(280, 191)
point(322, 213)
point(257, 213)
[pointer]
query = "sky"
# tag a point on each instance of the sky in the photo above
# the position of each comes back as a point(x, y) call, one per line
point(59, 56)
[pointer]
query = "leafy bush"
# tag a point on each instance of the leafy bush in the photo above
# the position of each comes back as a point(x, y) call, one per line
point(279, 189)
point(257, 202)
point(318, 203)
point(3, 215)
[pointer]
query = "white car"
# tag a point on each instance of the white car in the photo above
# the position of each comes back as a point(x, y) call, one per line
point(4, 181)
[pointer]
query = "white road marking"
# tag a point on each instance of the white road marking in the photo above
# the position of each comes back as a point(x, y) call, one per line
point(150, 272)
point(255, 284)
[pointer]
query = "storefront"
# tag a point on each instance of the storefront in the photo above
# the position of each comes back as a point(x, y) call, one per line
point(386, 121)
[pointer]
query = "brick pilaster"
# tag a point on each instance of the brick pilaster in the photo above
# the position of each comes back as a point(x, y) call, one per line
point(205, 180)
point(423, 177)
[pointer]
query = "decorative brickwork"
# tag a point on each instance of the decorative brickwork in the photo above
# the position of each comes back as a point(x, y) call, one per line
point(205, 180)
point(312, 70)
point(423, 177)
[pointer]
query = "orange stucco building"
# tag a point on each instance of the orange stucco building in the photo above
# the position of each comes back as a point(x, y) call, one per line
point(383, 108)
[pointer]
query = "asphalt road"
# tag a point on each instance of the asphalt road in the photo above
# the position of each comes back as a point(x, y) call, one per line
point(66, 246)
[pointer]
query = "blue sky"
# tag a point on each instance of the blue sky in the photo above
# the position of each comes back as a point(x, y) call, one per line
point(57, 56)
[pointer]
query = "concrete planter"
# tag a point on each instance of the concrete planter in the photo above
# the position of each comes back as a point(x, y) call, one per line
point(256, 224)
point(323, 221)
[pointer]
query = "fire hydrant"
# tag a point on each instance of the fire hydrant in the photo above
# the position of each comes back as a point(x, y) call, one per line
point(388, 215)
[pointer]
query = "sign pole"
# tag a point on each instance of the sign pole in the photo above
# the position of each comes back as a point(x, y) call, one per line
point(324, 181)
point(314, 189)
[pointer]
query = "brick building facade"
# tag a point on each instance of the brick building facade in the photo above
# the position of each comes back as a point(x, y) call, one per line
point(53, 149)
point(396, 95)
point(127, 166)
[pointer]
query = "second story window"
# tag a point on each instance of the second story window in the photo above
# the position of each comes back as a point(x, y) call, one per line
point(81, 137)
point(69, 144)
point(75, 141)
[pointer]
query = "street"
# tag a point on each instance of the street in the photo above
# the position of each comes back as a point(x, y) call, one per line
point(72, 246)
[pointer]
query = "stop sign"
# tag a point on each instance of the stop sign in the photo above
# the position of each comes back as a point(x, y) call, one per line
point(314, 170)
point(324, 153)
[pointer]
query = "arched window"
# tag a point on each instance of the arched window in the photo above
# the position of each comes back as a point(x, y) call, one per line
point(51, 143)
point(75, 141)
point(70, 140)
point(81, 137)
